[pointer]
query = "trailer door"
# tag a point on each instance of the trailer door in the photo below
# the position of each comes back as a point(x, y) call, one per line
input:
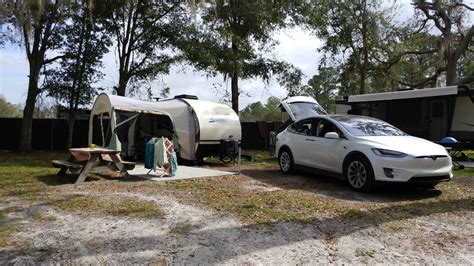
point(438, 119)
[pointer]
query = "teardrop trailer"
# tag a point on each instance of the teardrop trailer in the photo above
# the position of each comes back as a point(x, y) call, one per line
point(203, 127)
point(196, 126)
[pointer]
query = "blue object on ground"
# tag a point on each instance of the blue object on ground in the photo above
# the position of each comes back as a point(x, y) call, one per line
point(447, 140)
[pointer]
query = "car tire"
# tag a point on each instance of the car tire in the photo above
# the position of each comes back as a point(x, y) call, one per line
point(285, 160)
point(359, 174)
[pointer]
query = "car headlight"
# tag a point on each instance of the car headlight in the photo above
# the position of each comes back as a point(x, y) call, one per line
point(389, 153)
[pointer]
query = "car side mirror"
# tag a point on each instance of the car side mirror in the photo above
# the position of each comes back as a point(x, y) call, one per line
point(331, 135)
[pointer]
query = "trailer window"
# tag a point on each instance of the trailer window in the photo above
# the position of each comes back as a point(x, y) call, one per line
point(404, 112)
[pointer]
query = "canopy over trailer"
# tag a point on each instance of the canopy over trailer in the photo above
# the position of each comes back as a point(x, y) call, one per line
point(431, 113)
point(127, 124)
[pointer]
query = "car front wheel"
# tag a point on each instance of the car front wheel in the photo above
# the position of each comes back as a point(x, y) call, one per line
point(285, 160)
point(359, 174)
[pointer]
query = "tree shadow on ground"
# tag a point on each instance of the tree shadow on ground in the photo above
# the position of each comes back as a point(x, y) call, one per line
point(338, 188)
point(221, 244)
point(55, 180)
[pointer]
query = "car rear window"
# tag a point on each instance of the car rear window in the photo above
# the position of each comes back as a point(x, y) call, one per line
point(305, 109)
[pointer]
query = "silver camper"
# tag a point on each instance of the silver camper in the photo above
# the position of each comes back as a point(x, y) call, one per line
point(200, 125)
point(196, 126)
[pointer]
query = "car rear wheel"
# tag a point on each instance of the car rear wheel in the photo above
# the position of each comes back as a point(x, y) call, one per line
point(285, 160)
point(359, 174)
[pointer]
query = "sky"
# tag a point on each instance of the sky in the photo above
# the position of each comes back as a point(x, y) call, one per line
point(296, 46)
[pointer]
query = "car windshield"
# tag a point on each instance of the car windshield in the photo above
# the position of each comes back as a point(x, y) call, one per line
point(306, 109)
point(367, 126)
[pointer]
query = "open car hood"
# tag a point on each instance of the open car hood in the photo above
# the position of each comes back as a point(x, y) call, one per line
point(299, 107)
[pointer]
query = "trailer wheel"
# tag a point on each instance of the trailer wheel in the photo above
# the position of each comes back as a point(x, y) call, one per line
point(227, 159)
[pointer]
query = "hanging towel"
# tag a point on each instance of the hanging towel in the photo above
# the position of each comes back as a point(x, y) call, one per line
point(150, 154)
point(160, 158)
point(173, 163)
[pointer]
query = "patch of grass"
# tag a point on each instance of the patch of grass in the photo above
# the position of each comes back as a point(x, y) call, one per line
point(466, 172)
point(183, 229)
point(20, 174)
point(6, 235)
point(397, 226)
point(224, 194)
point(450, 236)
point(364, 254)
point(300, 199)
point(8, 228)
point(159, 262)
point(42, 218)
point(126, 206)
point(261, 160)
point(296, 203)
point(262, 156)
point(11, 209)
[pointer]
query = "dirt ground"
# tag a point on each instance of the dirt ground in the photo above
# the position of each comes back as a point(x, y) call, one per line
point(395, 225)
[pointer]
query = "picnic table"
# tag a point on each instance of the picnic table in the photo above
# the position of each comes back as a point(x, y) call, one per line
point(85, 160)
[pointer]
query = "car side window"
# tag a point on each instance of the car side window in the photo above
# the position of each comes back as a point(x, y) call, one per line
point(303, 127)
point(326, 126)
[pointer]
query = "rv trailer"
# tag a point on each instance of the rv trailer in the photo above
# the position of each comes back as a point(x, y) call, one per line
point(431, 113)
point(200, 125)
point(196, 126)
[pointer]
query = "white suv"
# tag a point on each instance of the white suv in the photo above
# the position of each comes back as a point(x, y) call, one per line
point(362, 150)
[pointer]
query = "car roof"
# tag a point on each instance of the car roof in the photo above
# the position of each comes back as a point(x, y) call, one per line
point(339, 116)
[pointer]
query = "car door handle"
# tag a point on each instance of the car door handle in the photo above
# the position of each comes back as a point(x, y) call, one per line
point(309, 139)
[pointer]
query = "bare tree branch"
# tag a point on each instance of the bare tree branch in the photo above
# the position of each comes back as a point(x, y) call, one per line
point(465, 42)
point(425, 8)
point(461, 5)
point(466, 80)
point(421, 84)
point(51, 60)
point(392, 62)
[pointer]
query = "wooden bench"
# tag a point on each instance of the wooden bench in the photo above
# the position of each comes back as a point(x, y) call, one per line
point(74, 168)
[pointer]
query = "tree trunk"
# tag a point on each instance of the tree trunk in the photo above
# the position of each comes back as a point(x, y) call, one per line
point(28, 111)
point(451, 73)
point(362, 80)
point(235, 92)
point(70, 128)
point(122, 87)
point(235, 80)
point(363, 66)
